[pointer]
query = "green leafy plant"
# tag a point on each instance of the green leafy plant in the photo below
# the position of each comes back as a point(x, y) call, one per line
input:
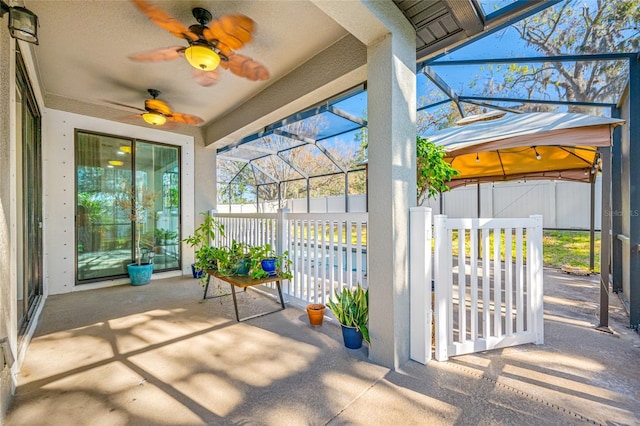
point(170, 235)
point(158, 236)
point(266, 251)
point(230, 258)
point(433, 171)
point(351, 308)
point(206, 256)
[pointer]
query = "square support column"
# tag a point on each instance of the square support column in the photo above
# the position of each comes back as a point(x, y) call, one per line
point(392, 191)
point(634, 192)
point(616, 206)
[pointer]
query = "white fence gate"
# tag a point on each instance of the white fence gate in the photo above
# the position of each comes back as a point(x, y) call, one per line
point(488, 281)
point(488, 284)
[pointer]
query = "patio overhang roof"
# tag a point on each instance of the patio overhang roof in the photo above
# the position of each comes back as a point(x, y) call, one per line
point(526, 146)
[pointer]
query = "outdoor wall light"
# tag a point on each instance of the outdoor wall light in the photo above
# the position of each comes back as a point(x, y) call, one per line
point(23, 23)
point(154, 118)
point(202, 57)
point(538, 156)
point(477, 158)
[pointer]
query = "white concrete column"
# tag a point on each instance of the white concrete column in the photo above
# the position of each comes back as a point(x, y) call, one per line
point(392, 191)
point(391, 84)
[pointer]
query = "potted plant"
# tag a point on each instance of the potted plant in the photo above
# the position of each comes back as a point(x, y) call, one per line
point(136, 203)
point(206, 256)
point(351, 309)
point(170, 236)
point(265, 262)
point(315, 312)
point(234, 260)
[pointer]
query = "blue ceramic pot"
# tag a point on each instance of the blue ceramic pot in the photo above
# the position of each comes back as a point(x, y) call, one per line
point(196, 274)
point(352, 337)
point(269, 266)
point(140, 274)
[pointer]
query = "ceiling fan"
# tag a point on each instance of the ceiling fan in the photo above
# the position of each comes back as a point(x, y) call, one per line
point(209, 46)
point(157, 112)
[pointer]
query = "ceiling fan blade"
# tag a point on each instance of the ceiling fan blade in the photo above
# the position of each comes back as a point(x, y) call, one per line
point(224, 49)
point(180, 117)
point(246, 67)
point(233, 30)
point(206, 78)
point(157, 105)
point(132, 117)
point(157, 55)
point(123, 105)
point(164, 20)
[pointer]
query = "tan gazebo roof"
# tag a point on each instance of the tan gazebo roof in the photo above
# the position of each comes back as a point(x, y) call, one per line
point(526, 146)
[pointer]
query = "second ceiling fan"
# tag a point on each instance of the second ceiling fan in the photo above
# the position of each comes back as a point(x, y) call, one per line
point(157, 112)
point(209, 46)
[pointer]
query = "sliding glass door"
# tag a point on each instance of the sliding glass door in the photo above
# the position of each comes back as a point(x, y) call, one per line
point(105, 167)
point(29, 149)
point(157, 168)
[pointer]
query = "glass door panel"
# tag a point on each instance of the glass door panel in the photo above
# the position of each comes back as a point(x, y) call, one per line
point(157, 170)
point(103, 231)
point(29, 223)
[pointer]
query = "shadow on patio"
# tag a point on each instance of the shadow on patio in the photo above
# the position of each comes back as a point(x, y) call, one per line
point(159, 354)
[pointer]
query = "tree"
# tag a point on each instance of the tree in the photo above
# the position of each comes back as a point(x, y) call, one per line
point(574, 27)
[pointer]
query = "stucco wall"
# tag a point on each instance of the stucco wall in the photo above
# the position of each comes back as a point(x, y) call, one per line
point(58, 129)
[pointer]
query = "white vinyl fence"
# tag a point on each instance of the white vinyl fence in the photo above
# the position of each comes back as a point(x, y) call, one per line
point(486, 276)
point(328, 251)
point(487, 273)
point(483, 302)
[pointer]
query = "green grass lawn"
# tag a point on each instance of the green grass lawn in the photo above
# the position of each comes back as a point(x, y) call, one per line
point(569, 248)
point(560, 248)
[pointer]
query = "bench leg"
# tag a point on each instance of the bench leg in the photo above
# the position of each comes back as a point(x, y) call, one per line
point(235, 301)
point(206, 287)
point(280, 293)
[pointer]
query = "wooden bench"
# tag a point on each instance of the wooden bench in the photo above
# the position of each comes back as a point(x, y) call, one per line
point(243, 281)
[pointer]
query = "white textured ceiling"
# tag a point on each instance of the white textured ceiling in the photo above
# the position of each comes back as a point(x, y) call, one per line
point(82, 57)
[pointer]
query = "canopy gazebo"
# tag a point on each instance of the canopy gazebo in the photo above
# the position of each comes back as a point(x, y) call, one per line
point(537, 145)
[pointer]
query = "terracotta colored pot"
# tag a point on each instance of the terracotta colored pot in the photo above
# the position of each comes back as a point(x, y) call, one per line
point(316, 313)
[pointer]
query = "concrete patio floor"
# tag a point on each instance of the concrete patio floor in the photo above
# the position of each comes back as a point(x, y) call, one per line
point(160, 355)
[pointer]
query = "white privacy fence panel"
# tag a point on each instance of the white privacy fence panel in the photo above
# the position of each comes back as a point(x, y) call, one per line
point(328, 251)
point(489, 294)
point(563, 204)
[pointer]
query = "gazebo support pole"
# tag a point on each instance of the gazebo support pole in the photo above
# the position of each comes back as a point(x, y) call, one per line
point(605, 243)
point(592, 229)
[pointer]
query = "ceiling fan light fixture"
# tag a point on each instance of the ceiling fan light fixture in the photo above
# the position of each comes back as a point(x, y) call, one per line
point(202, 57)
point(154, 118)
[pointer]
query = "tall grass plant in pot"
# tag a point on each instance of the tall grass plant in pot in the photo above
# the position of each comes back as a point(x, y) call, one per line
point(351, 309)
